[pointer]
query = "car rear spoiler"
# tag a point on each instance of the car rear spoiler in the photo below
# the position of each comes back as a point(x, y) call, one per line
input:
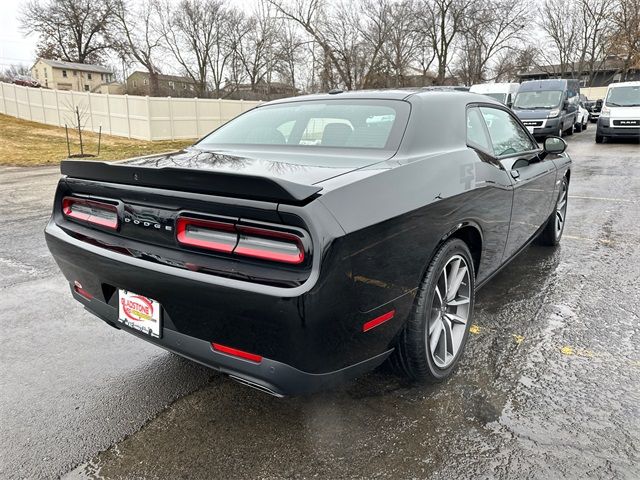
point(191, 180)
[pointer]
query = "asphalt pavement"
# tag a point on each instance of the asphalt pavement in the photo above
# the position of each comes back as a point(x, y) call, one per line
point(549, 386)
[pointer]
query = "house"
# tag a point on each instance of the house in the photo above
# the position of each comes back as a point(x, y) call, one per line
point(168, 85)
point(260, 91)
point(609, 71)
point(60, 75)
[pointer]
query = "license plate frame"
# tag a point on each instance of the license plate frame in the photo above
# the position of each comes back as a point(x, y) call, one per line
point(140, 313)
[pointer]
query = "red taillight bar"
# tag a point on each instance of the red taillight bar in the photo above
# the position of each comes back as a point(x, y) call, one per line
point(238, 239)
point(90, 210)
point(236, 353)
point(378, 321)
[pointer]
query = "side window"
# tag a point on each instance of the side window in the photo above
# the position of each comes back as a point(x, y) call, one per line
point(476, 132)
point(507, 136)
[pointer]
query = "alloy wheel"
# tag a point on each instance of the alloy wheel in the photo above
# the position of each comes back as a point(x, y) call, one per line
point(561, 209)
point(449, 312)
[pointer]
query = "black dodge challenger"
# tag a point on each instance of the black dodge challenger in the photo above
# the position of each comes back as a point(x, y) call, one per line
point(312, 238)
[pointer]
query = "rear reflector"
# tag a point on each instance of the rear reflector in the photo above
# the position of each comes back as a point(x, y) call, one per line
point(244, 240)
point(91, 211)
point(236, 353)
point(378, 321)
point(77, 286)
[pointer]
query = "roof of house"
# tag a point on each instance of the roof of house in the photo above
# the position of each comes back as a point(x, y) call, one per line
point(169, 78)
point(85, 67)
point(610, 64)
point(260, 84)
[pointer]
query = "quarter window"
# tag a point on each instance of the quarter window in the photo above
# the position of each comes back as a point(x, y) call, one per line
point(507, 136)
point(476, 132)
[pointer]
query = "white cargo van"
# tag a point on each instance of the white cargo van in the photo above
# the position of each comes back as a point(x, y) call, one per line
point(503, 92)
point(620, 115)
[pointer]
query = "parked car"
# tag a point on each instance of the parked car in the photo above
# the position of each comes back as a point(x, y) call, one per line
point(26, 81)
point(594, 110)
point(548, 107)
point(620, 115)
point(582, 120)
point(291, 266)
point(502, 92)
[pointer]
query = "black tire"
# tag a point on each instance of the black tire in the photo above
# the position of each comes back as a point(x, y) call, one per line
point(578, 127)
point(412, 357)
point(552, 234)
point(569, 131)
point(599, 138)
point(585, 125)
point(560, 131)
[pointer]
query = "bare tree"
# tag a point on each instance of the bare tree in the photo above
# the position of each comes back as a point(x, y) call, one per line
point(404, 42)
point(71, 30)
point(228, 32)
point(139, 37)
point(10, 73)
point(489, 28)
point(626, 35)
point(309, 14)
point(189, 33)
point(290, 53)
point(442, 24)
point(255, 48)
point(561, 22)
point(595, 36)
point(513, 61)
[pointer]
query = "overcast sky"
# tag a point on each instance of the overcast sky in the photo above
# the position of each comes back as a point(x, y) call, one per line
point(15, 48)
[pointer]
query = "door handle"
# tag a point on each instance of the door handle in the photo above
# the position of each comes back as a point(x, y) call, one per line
point(515, 174)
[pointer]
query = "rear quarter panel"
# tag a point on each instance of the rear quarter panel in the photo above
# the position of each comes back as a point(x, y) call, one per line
point(395, 220)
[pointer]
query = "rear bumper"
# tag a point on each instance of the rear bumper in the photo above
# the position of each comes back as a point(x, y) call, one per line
point(605, 129)
point(268, 375)
point(309, 337)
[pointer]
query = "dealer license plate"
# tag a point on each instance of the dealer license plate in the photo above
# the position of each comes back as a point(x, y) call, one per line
point(139, 312)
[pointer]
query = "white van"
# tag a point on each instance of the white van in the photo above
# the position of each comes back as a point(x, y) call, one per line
point(620, 115)
point(503, 92)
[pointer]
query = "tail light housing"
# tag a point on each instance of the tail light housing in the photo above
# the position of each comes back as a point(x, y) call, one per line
point(261, 242)
point(91, 211)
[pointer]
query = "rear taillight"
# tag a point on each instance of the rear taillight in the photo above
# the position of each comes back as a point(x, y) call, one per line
point(248, 241)
point(218, 236)
point(91, 211)
point(269, 245)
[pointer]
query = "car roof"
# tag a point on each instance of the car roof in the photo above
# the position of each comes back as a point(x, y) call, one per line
point(392, 94)
point(624, 84)
point(533, 85)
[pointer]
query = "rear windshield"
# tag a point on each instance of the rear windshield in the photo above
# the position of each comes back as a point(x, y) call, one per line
point(624, 96)
point(543, 99)
point(316, 124)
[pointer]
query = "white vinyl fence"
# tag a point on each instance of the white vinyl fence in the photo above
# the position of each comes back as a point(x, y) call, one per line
point(144, 118)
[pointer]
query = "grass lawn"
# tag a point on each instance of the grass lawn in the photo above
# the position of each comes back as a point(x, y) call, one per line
point(24, 143)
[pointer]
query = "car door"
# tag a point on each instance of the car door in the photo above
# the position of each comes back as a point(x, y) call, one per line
point(534, 177)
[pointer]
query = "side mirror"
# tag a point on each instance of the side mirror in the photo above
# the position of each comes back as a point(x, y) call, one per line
point(554, 145)
point(565, 105)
